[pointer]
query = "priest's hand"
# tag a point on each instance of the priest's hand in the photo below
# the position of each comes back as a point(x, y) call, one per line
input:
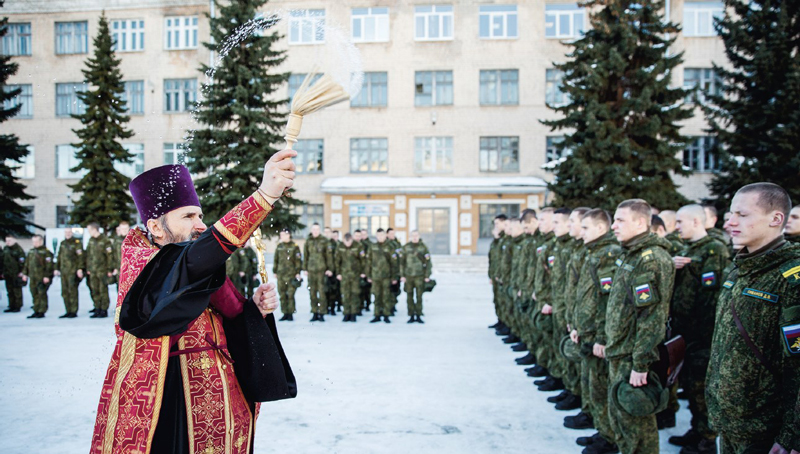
point(278, 175)
point(266, 298)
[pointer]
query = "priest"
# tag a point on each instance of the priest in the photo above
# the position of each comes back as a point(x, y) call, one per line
point(193, 357)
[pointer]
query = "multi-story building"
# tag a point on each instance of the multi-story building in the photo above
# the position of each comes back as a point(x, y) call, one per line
point(444, 135)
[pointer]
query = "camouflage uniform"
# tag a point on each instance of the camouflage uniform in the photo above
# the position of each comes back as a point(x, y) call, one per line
point(333, 294)
point(251, 273)
point(530, 243)
point(237, 263)
point(13, 263)
point(316, 261)
point(517, 273)
point(753, 403)
point(116, 259)
point(70, 260)
point(544, 329)
point(351, 264)
point(415, 266)
point(287, 264)
point(558, 259)
point(365, 294)
point(38, 266)
point(99, 255)
point(397, 247)
point(792, 238)
point(636, 316)
point(382, 269)
point(504, 276)
point(692, 310)
point(594, 285)
point(718, 234)
point(494, 260)
point(575, 377)
point(676, 243)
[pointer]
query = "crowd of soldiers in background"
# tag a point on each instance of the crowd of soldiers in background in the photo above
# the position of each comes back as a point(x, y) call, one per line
point(599, 302)
point(345, 274)
point(99, 264)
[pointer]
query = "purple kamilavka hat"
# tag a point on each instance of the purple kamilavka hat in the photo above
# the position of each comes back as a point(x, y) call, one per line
point(163, 189)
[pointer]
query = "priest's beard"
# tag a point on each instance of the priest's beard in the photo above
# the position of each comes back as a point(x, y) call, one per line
point(170, 237)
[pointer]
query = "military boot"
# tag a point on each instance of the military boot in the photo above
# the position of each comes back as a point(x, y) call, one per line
point(526, 360)
point(554, 384)
point(419, 319)
point(376, 319)
point(586, 441)
point(36, 315)
point(665, 419)
point(556, 399)
point(705, 446)
point(538, 371)
point(511, 339)
point(290, 318)
point(519, 347)
point(690, 438)
point(601, 447)
point(412, 319)
point(580, 421)
point(386, 319)
point(495, 326)
point(572, 402)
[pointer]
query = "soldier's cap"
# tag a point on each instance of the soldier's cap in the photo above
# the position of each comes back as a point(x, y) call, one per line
point(163, 189)
point(542, 321)
point(569, 349)
point(642, 401)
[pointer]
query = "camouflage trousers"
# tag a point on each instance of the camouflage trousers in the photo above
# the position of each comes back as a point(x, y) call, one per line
point(351, 294)
point(316, 288)
point(69, 291)
point(559, 365)
point(39, 294)
point(596, 395)
point(745, 446)
point(495, 292)
point(14, 294)
point(414, 288)
point(542, 338)
point(286, 294)
point(98, 289)
point(635, 434)
point(383, 296)
point(693, 381)
point(334, 295)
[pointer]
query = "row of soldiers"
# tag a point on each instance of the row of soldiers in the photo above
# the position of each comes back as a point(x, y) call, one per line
point(345, 275)
point(98, 264)
point(599, 302)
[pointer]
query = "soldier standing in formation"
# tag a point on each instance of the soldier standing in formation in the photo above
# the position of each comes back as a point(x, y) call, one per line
point(382, 271)
point(415, 269)
point(317, 264)
point(236, 270)
point(337, 285)
point(287, 265)
point(116, 243)
point(711, 223)
point(394, 243)
point(673, 236)
point(70, 266)
point(13, 263)
point(38, 272)
point(792, 232)
point(99, 269)
point(332, 290)
point(251, 271)
point(366, 286)
point(350, 265)
point(495, 251)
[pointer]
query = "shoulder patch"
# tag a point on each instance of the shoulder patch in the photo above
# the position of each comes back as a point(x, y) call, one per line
point(728, 284)
point(791, 335)
point(79, 251)
point(760, 295)
point(647, 253)
point(627, 267)
point(606, 282)
point(618, 262)
point(644, 293)
point(709, 279)
point(551, 260)
point(791, 272)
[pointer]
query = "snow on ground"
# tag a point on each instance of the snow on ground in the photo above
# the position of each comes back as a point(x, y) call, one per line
point(448, 386)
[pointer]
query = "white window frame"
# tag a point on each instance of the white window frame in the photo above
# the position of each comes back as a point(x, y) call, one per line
point(76, 39)
point(128, 35)
point(553, 88)
point(180, 32)
point(364, 19)
point(131, 169)
point(693, 22)
point(435, 101)
point(307, 218)
point(491, 158)
point(26, 168)
point(377, 153)
point(17, 41)
point(308, 151)
point(498, 85)
point(76, 106)
point(551, 155)
point(187, 95)
point(366, 91)
point(134, 97)
point(503, 13)
point(707, 82)
point(441, 14)
point(306, 27)
point(176, 152)
point(24, 98)
point(699, 148)
point(556, 11)
point(440, 150)
point(66, 162)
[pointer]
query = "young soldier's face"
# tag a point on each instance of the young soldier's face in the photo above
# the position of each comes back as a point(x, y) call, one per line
point(531, 225)
point(686, 225)
point(415, 237)
point(516, 228)
point(591, 230)
point(546, 222)
point(124, 229)
point(67, 233)
point(390, 235)
point(315, 231)
point(381, 236)
point(793, 225)
point(749, 223)
point(37, 241)
point(349, 242)
point(285, 237)
point(626, 225)
point(575, 225)
point(560, 224)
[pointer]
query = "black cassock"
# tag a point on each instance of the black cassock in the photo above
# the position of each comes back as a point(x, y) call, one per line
point(173, 289)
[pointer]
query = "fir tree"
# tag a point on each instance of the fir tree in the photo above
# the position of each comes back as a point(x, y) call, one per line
point(242, 119)
point(12, 214)
point(103, 190)
point(755, 119)
point(622, 113)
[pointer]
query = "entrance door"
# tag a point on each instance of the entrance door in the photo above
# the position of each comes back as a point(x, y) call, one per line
point(434, 229)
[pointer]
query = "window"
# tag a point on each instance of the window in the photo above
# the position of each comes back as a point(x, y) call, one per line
point(433, 88)
point(17, 40)
point(179, 95)
point(309, 155)
point(563, 21)
point(295, 80)
point(65, 161)
point(134, 97)
point(369, 155)
point(433, 154)
point(72, 37)
point(67, 102)
point(309, 214)
point(23, 99)
point(370, 25)
point(499, 154)
point(705, 80)
point(698, 18)
point(25, 168)
point(698, 155)
point(62, 216)
point(433, 23)
point(180, 33)
point(128, 35)
point(554, 95)
point(369, 217)
point(29, 218)
point(373, 91)
point(499, 87)
point(307, 26)
point(498, 22)
point(552, 153)
point(174, 153)
point(135, 167)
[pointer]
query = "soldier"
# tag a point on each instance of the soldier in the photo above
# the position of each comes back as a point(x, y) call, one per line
point(636, 316)
point(116, 242)
point(13, 263)
point(524, 284)
point(495, 250)
point(792, 231)
point(657, 226)
point(391, 238)
point(515, 273)
point(286, 266)
point(699, 271)
point(70, 266)
point(669, 218)
point(382, 271)
point(39, 271)
point(542, 295)
point(317, 265)
point(512, 229)
point(366, 245)
point(236, 269)
point(99, 268)
point(711, 223)
point(251, 273)
point(350, 264)
point(415, 269)
point(337, 294)
point(753, 374)
point(594, 285)
point(331, 283)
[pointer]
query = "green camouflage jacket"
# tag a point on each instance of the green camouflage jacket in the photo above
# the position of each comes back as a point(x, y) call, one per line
point(532, 242)
point(745, 400)
point(541, 284)
point(718, 234)
point(558, 260)
point(573, 274)
point(494, 256)
point(382, 262)
point(317, 254)
point(504, 264)
point(99, 256)
point(38, 265)
point(676, 243)
point(638, 305)
point(518, 261)
point(70, 256)
point(287, 262)
point(13, 261)
point(415, 260)
point(595, 280)
point(116, 244)
point(351, 261)
point(792, 238)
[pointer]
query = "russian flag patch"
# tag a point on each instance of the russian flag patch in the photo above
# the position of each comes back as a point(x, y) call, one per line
point(551, 260)
point(644, 293)
point(709, 279)
point(791, 334)
point(605, 283)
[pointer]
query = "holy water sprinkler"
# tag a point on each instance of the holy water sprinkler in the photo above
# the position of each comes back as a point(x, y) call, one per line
point(311, 98)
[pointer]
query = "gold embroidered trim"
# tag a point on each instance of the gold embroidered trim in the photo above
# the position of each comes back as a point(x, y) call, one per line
point(162, 377)
point(262, 201)
point(226, 233)
point(229, 426)
point(187, 394)
point(126, 357)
